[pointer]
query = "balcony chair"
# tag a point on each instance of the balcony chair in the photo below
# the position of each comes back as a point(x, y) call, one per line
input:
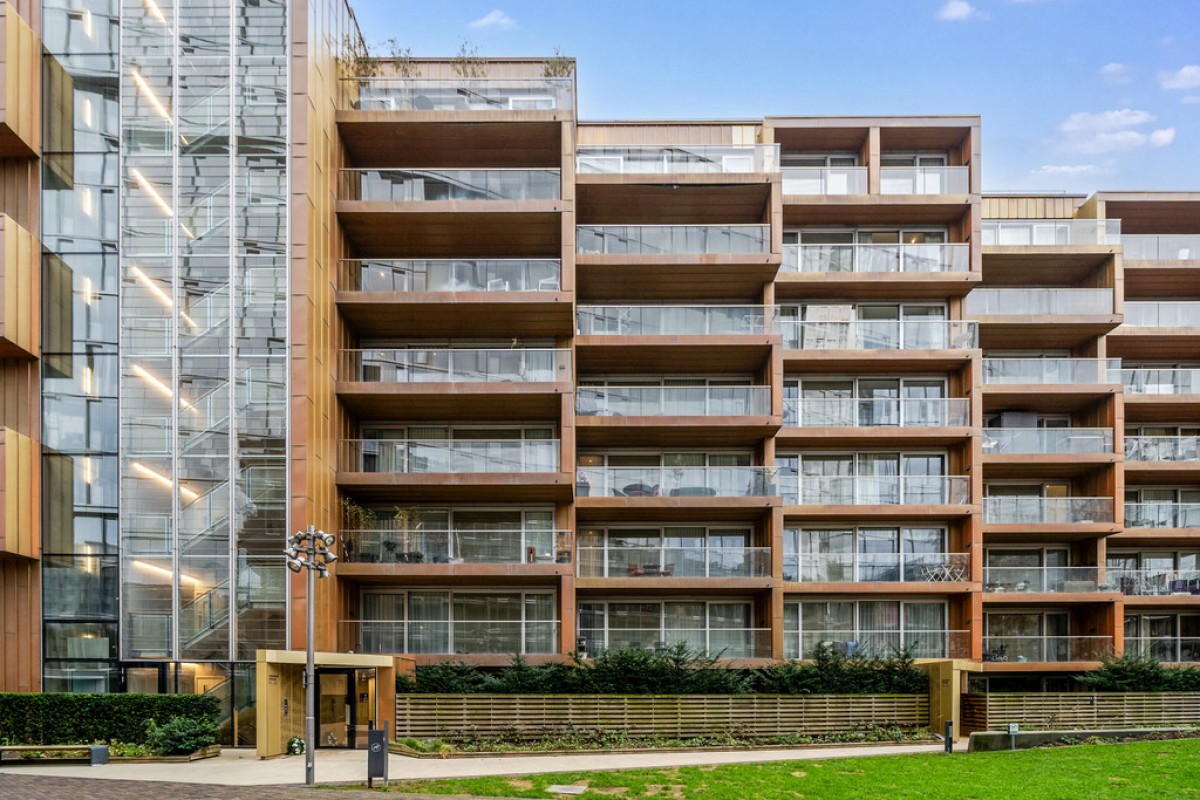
point(1000, 654)
point(641, 490)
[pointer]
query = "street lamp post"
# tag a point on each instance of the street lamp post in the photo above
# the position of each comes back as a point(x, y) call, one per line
point(309, 550)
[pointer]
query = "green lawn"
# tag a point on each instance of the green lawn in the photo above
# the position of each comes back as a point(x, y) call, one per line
point(1167, 769)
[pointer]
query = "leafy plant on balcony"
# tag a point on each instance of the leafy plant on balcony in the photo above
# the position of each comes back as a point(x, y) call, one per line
point(356, 59)
point(468, 63)
point(558, 65)
point(406, 519)
point(401, 59)
point(354, 518)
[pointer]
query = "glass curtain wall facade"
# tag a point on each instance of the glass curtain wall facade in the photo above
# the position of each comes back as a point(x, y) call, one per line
point(170, 402)
point(80, 279)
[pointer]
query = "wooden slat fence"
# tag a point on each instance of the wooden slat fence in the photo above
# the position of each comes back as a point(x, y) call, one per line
point(1079, 710)
point(676, 716)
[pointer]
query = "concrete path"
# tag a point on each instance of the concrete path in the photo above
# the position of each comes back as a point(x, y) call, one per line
point(242, 768)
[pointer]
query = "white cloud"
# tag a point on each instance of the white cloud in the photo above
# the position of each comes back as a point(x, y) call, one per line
point(957, 11)
point(1111, 131)
point(1115, 73)
point(1065, 169)
point(494, 19)
point(1183, 78)
point(1192, 99)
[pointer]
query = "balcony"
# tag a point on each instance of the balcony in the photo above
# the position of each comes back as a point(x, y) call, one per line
point(1047, 510)
point(1047, 441)
point(460, 94)
point(20, 293)
point(1051, 232)
point(452, 275)
point(676, 159)
point(412, 637)
point(873, 412)
point(654, 240)
point(1169, 649)
point(1155, 582)
point(396, 298)
point(874, 259)
point(432, 185)
point(456, 365)
point(1162, 448)
point(881, 644)
point(674, 562)
point(924, 180)
point(438, 456)
point(1040, 302)
point(21, 104)
point(1162, 314)
point(1162, 515)
point(673, 320)
point(1154, 381)
point(690, 482)
point(458, 547)
point(824, 180)
point(1045, 649)
point(1145, 247)
point(825, 490)
point(879, 334)
point(1050, 371)
point(877, 567)
point(1065, 580)
point(673, 401)
point(727, 643)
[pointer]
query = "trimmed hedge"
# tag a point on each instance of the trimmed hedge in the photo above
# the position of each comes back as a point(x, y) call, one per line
point(1140, 673)
point(676, 670)
point(87, 718)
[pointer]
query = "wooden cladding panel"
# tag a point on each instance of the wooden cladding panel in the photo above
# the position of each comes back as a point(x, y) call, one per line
point(19, 495)
point(1080, 710)
point(20, 625)
point(656, 133)
point(680, 716)
point(21, 79)
point(1056, 207)
point(20, 297)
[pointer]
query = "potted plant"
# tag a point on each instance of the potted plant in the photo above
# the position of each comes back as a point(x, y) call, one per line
point(583, 488)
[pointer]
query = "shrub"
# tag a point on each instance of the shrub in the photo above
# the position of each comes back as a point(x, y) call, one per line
point(831, 672)
point(1140, 673)
point(180, 735)
point(86, 718)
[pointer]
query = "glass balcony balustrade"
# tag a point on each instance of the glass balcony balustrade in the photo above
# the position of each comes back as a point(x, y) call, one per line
point(1154, 582)
point(499, 637)
point(1162, 314)
point(1162, 515)
point(882, 644)
point(409, 185)
point(672, 239)
point(673, 320)
point(1042, 649)
point(1047, 441)
point(1047, 510)
point(1162, 448)
point(676, 482)
point(1051, 232)
point(674, 562)
point(1039, 302)
point(824, 180)
point(877, 567)
point(878, 334)
point(876, 258)
point(1169, 247)
point(1051, 371)
point(673, 401)
point(865, 412)
point(839, 490)
point(452, 275)
point(924, 180)
point(699, 159)
point(464, 365)
point(1152, 380)
point(415, 456)
point(1168, 649)
point(460, 546)
point(1040, 579)
point(708, 642)
point(398, 93)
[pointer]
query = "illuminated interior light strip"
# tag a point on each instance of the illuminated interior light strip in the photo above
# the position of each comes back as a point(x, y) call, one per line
point(146, 472)
point(154, 569)
point(148, 92)
point(149, 189)
point(145, 375)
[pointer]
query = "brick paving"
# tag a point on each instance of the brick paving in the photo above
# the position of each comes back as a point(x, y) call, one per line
point(14, 786)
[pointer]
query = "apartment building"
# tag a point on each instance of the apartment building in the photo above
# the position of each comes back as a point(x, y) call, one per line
point(557, 386)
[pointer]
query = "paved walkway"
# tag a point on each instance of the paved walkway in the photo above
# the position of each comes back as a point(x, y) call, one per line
point(242, 768)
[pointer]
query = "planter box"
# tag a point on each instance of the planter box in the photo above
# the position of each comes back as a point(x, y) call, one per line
point(211, 751)
point(426, 716)
point(1079, 710)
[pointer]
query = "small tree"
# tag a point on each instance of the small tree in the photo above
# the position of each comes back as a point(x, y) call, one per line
point(468, 63)
point(558, 65)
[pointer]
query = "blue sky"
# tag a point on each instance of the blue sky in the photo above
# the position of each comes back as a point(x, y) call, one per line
point(1074, 94)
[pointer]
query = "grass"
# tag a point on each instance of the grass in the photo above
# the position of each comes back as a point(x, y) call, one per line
point(1092, 772)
